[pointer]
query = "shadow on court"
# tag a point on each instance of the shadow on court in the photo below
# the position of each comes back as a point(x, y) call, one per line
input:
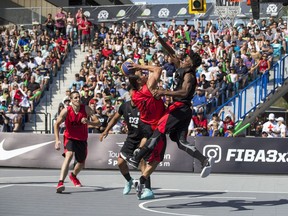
point(236, 205)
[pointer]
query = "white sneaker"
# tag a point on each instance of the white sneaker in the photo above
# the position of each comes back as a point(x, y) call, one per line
point(138, 187)
point(207, 168)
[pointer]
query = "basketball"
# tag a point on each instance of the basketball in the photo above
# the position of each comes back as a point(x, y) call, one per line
point(125, 68)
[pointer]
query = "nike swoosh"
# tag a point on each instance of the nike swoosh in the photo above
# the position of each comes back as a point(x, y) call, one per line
point(120, 144)
point(7, 154)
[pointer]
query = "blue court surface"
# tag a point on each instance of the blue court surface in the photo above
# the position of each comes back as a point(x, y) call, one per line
point(32, 192)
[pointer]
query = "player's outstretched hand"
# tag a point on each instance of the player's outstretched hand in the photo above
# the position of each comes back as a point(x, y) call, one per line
point(133, 66)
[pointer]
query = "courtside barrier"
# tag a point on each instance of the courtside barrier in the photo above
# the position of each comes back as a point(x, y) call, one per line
point(232, 155)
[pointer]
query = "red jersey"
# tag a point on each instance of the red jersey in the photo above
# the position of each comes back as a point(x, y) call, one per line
point(151, 109)
point(74, 128)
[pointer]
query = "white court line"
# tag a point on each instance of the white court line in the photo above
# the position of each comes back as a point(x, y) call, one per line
point(4, 186)
point(226, 191)
point(141, 205)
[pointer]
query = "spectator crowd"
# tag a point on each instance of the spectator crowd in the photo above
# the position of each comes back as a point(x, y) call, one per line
point(232, 56)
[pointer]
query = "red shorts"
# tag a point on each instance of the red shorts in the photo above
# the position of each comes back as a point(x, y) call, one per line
point(159, 151)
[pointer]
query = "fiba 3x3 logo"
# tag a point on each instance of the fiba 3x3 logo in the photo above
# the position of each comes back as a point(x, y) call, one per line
point(245, 154)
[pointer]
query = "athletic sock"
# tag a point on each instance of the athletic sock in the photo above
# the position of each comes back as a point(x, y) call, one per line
point(148, 183)
point(198, 155)
point(127, 177)
point(142, 180)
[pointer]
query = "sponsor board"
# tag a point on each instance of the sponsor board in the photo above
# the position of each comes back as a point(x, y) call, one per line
point(232, 155)
point(245, 155)
point(37, 151)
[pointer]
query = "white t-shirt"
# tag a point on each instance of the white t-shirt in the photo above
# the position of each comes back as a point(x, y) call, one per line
point(269, 127)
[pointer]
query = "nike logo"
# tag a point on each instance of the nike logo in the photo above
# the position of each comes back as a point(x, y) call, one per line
point(120, 144)
point(7, 154)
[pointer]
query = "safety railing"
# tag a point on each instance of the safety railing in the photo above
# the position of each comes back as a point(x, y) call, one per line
point(247, 99)
point(31, 120)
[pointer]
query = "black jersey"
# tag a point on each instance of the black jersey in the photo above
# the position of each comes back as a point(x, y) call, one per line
point(178, 82)
point(136, 128)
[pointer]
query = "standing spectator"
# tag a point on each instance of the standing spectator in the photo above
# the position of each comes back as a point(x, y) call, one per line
point(50, 25)
point(60, 21)
point(86, 27)
point(70, 27)
point(281, 127)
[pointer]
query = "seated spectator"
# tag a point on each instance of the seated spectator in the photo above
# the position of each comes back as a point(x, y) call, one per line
point(198, 124)
point(270, 127)
point(229, 131)
point(199, 100)
point(103, 120)
point(78, 83)
point(212, 94)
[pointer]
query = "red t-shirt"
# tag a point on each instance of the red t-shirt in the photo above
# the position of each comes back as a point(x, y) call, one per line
point(86, 26)
point(151, 109)
point(74, 128)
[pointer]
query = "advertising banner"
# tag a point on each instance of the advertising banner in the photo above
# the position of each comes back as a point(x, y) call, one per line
point(232, 155)
point(245, 155)
point(37, 151)
point(155, 13)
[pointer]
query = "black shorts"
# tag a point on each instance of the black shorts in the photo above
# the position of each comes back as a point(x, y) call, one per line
point(176, 118)
point(132, 143)
point(78, 147)
point(129, 147)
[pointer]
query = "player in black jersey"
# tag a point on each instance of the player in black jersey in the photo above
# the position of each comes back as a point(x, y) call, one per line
point(176, 120)
point(138, 132)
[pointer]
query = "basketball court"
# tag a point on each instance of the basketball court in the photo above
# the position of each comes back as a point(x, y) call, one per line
point(32, 192)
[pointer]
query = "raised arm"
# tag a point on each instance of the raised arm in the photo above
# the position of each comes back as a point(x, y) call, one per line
point(153, 78)
point(188, 84)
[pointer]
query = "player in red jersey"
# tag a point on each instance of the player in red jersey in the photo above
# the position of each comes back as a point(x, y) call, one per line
point(151, 110)
point(75, 137)
point(177, 117)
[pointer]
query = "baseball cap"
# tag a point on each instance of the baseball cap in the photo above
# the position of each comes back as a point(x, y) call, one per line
point(271, 116)
point(280, 119)
point(92, 101)
point(98, 107)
